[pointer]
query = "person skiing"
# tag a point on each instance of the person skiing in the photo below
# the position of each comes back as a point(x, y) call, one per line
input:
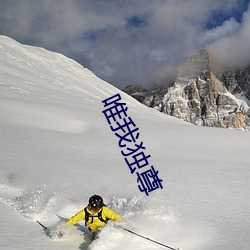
point(95, 214)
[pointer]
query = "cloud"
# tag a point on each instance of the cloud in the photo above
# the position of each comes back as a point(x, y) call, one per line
point(233, 49)
point(228, 28)
point(123, 42)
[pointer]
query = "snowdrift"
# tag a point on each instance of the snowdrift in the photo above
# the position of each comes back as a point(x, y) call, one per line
point(57, 150)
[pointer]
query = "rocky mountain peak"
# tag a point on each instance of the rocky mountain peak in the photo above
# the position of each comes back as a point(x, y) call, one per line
point(196, 64)
point(202, 97)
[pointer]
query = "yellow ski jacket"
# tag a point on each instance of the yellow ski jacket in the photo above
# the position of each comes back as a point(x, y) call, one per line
point(94, 223)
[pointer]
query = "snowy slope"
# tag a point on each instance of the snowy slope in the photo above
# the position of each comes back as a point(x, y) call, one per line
point(57, 149)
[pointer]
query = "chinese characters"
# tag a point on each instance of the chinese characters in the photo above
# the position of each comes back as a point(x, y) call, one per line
point(132, 148)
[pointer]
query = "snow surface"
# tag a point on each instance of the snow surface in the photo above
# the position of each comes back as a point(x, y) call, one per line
point(57, 150)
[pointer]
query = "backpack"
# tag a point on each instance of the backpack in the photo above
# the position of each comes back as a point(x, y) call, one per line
point(99, 216)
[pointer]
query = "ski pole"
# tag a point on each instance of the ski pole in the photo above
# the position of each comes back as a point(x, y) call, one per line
point(45, 228)
point(150, 239)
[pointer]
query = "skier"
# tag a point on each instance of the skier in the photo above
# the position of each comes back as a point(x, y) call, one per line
point(95, 214)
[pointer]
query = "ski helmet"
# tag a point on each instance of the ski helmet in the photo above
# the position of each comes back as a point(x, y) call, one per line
point(95, 202)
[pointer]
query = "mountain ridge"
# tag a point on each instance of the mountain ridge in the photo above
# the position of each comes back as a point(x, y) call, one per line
point(201, 95)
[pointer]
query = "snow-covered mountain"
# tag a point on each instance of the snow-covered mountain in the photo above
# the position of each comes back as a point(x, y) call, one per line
point(57, 149)
point(237, 81)
point(201, 95)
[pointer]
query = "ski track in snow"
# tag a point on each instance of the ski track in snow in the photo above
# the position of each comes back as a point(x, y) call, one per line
point(43, 117)
point(147, 218)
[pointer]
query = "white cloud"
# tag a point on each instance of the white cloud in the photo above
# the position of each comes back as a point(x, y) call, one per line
point(97, 32)
point(228, 28)
point(233, 50)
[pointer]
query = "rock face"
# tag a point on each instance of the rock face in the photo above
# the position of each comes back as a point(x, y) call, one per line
point(237, 81)
point(201, 97)
point(137, 91)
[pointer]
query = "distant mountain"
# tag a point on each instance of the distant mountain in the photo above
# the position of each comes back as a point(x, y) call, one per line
point(237, 81)
point(201, 94)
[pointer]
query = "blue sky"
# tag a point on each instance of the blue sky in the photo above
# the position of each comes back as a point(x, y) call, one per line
point(218, 17)
point(131, 41)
